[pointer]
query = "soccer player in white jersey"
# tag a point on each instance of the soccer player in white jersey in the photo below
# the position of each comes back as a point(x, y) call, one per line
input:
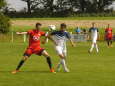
point(59, 38)
point(94, 32)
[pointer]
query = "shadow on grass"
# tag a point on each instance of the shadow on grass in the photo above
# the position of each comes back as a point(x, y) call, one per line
point(42, 72)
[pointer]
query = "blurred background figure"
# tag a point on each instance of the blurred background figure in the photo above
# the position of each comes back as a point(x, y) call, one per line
point(94, 33)
point(78, 30)
point(108, 35)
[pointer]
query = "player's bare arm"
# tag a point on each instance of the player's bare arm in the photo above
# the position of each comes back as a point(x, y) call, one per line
point(72, 43)
point(21, 33)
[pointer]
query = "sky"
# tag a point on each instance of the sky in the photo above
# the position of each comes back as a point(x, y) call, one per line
point(18, 4)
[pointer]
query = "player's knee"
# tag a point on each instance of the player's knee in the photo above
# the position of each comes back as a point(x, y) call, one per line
point(25, 58)
point(61, 56)
point(44, 53)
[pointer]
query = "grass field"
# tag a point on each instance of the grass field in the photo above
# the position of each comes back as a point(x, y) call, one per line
point(86, 69)
point(68, 18)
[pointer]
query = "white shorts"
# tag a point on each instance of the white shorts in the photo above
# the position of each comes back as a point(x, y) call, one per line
point(94, 40)
point(61, 50)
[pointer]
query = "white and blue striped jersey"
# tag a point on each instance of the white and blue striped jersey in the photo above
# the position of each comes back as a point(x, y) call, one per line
point(94, 32)
point(60, 37)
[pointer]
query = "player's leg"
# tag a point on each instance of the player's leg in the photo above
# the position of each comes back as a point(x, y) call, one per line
point(111, 41)
point(96, 46)
point(91, 49)
point(48, 58)
point(65, 57)
point(59, 50)
point(108, 43)
point(92, 46)
point(20, 64)
point(27, 54)
point(63, 62)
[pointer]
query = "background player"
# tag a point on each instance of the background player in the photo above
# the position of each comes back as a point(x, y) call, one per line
point(34, 47)
point(94, 32)
point(59, 38)
point(108, 35)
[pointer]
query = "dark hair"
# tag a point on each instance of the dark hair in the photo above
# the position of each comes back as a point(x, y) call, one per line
point(63, 25)
point(38, 24)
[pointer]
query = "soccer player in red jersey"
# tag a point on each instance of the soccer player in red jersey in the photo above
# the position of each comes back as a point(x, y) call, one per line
point(108, 35)
point(34, 47)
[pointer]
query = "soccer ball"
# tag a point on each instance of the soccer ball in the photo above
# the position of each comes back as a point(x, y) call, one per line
point(52, 27)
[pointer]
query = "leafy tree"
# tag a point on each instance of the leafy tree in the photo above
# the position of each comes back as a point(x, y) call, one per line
point(4, 21)
point(33, 5)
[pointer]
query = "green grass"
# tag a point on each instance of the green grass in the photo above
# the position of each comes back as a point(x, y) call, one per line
point(86, 69)
point(68, 18)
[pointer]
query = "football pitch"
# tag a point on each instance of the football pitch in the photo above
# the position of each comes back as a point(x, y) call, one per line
point(85, 69)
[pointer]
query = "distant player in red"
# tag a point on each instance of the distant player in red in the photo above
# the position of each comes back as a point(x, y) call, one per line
point(108, 35)
point(34, 47)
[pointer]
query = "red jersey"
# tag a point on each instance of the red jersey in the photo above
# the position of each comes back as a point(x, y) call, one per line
point(108, 32)
point(34, 38)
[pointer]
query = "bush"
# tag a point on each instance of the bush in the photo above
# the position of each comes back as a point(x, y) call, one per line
point(4, 24)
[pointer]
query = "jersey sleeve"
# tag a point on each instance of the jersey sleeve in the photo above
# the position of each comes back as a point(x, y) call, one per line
point(29, 32)
point(68, 35)
point(53, 33)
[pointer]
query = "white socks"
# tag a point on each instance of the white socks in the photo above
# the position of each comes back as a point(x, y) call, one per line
point(63, 65)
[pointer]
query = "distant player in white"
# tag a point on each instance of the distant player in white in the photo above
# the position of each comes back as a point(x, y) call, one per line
point(59, 38)
point(94, 36)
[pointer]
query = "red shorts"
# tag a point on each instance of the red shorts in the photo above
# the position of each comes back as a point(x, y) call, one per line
point(30, 51)
point(109, 38)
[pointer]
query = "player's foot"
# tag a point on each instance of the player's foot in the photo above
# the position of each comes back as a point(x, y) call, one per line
point(52, 71)
point(66, 70)
point(15, 71)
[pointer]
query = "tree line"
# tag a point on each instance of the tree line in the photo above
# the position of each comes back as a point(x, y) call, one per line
point(4, 20)
point(83, 6)
point(64, 8)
